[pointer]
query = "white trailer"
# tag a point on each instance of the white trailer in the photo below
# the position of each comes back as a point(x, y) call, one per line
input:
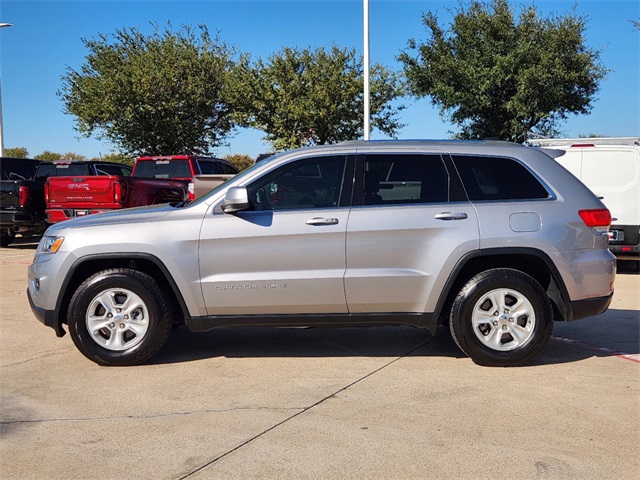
point(610, 167)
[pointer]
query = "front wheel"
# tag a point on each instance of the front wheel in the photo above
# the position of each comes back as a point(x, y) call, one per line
point(119, 317)
point(501, 317)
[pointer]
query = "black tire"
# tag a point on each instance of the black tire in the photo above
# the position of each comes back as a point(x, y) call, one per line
point(501, 318)
point(6, 237)
point(129, 317)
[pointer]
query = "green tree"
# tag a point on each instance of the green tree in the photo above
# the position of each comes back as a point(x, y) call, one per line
point(157, 94)
point(48, 156)
point(17, 152)
point(304, 97)
point(53, 156)
point(241, 162)
point(497, 75)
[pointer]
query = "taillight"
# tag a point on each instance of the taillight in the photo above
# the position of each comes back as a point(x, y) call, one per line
point(23, 195)
point(598, 218)
point(192, 191)
point(117, 191)
point(46, 192)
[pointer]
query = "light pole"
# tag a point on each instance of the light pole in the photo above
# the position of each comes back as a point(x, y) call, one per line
point(1, 130)
point(367, 106)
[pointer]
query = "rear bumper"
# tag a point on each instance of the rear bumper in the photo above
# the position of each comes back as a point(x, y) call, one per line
point(50, 318)
point(588, 308)
point(23, 219)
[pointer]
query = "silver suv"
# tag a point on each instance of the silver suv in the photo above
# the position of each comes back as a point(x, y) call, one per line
point(493, 240)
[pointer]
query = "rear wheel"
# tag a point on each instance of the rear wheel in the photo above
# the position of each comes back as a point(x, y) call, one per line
point(119, 317)
point(6, 237)
point(501, 317)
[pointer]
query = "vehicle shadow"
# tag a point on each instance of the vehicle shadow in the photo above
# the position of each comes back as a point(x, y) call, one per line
point(570, 343)
point(22, 243)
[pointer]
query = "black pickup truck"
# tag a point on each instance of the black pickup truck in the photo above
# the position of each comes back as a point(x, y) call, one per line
point(21, 199)
point(22, 191)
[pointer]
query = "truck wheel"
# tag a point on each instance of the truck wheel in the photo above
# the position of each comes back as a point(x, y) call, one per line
point(6, 237)
point(501, 318)
point(119, 317)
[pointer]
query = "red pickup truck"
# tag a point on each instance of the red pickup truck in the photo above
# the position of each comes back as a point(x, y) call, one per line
point(154, 180)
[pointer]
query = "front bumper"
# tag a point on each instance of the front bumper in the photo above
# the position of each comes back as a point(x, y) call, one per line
point(50, 318)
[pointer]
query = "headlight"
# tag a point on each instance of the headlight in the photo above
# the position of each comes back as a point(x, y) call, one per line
point(50, 244)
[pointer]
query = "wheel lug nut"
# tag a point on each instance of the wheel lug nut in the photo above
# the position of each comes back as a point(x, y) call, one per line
point(118, 310)
point(496, 313)
point(112, 324)
point(504, 327)
point(122, 325)
point(511, 319)
point(110, 315)
point(126, 317)
point(495, 324)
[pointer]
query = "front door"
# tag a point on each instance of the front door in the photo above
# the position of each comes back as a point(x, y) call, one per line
point(286, 255)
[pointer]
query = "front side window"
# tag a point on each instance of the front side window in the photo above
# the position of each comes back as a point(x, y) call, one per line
point(399, 179)
point(310, 183)
point(497, 178)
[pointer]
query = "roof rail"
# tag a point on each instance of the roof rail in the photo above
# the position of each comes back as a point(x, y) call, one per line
point(556, 142)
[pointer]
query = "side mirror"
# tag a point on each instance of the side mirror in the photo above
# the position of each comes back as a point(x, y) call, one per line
point(236, 200)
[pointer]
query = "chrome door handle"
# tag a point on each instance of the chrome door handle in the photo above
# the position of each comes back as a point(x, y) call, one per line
point(450, 216)
point(322, 221)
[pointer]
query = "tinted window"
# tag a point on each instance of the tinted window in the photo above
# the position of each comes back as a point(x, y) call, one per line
point(163, 169)
point(495, 178)
point(392, 179)
point(71, 169)
point(209, 167)
point(308, 183)
point(228, 169)
point(45, 171)
point(121, 170)
point(18, 169)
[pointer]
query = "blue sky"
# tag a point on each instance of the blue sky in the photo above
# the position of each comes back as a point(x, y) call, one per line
point(46, 37)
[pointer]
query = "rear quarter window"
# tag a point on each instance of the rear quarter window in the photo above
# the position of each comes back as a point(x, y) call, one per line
point(498, 178)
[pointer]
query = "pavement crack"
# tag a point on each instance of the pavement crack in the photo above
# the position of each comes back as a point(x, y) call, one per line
point(45, 355)
point(306, 409)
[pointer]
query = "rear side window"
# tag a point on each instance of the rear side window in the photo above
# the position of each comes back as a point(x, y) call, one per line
point(208, 168)
point(398, 179)
point(497, 178)
point(121, 170)
point(163, 169)
point(213, 167)
point(18, 169)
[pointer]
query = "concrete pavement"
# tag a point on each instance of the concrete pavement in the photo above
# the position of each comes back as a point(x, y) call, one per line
point(392, 402)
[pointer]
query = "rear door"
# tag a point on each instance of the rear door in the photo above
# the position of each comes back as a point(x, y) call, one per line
point(409, 225)
point(287, 254)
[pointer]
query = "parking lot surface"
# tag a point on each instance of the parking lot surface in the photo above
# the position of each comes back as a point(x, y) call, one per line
point(388, 403)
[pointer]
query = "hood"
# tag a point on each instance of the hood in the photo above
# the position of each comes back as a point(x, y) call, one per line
point(129, 215)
